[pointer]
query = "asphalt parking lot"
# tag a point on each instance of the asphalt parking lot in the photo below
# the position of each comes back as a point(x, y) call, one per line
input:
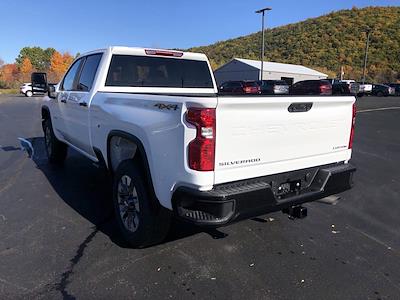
point(59, 240)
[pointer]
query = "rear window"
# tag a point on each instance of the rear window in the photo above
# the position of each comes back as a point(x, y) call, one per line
point(281, 82)
point(143, 71)
point(235, 84)
point(250, 84)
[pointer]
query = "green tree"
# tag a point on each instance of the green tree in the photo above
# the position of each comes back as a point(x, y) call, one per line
point(40, 58)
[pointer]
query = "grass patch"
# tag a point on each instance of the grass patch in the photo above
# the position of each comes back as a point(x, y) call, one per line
point(9, 91)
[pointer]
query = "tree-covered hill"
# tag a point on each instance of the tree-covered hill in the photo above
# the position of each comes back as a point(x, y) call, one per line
point(326, 43)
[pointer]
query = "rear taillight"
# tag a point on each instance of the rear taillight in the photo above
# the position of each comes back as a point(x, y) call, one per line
point(325, 89)
point(353, 123)
point(202, 148)
point(251, 89)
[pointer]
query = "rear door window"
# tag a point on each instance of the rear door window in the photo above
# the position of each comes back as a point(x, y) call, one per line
point(88, 72)
point(250, 84)
point(143, 71)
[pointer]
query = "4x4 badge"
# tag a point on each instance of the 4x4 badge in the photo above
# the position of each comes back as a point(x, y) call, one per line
point(166, 106)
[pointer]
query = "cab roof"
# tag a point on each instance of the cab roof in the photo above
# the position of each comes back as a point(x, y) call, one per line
point(122, 50)
point(157, 52)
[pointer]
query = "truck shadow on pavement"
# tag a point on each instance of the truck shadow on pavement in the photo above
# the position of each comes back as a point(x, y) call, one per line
point(88, 190)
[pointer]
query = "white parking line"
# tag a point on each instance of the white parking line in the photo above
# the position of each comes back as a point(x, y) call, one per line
point(378, 109)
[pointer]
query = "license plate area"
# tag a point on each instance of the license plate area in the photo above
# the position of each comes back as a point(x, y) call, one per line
point(287, 189)
point(293, 183)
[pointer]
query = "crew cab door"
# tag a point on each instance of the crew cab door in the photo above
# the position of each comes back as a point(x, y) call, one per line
point(78, 102)
point(66, 86)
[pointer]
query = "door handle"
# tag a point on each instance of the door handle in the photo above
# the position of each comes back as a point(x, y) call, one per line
point(63, 100)
point(84, 104)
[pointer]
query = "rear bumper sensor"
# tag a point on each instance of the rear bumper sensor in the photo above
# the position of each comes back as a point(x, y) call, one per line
point(227, 203)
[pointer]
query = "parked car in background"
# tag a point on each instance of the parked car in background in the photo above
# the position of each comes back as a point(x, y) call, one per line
point(311, 87)
point(273, 87)
point(396, 87)
point(26, 89)
point(381, 90)
point(347, 80)
point(365, 89)
point(344, 87)
point(240, 88)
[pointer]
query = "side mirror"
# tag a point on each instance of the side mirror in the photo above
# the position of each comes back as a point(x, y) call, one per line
point(51, 91)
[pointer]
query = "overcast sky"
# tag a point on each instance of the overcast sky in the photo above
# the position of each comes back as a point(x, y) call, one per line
point(79, 25)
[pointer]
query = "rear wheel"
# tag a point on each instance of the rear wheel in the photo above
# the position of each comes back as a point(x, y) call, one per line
point(56, 150)
point(28, 94)
point(140, 222)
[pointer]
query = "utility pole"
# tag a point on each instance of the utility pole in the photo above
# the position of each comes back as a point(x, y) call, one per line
point(262, 11)
point(368, 31)
point(341, 72)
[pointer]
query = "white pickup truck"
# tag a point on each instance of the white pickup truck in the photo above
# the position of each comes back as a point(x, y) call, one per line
point(174, 147)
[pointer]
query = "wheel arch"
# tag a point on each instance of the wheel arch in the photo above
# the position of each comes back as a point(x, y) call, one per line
point(138, 153)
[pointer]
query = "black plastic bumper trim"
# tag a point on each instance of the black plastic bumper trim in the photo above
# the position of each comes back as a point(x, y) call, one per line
point(230, 202)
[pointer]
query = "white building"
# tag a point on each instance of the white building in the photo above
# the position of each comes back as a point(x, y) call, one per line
point(247, 69)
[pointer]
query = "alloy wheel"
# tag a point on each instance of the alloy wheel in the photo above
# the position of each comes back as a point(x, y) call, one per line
point(128, 203)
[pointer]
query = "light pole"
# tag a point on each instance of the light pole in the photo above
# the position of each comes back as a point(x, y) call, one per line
point(262, 11)
point(368, 31)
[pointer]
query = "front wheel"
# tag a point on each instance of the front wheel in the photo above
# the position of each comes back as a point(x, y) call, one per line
point(141, 222)
point(56, 150)
point(28, 94)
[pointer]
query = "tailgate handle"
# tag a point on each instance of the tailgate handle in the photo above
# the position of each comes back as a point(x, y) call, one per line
point(300, 107)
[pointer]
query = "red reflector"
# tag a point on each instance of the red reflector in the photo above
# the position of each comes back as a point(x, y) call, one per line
point(201, 155)
point(202, 148)
point(353, 123)
point(163, 53)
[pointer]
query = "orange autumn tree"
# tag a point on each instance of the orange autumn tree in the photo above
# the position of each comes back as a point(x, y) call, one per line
point(26, 69)
point(9, 74)
point(59, 64)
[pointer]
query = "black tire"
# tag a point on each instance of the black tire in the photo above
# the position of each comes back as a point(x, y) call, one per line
point(379, 94)
point(149, 221)
point(56, 150)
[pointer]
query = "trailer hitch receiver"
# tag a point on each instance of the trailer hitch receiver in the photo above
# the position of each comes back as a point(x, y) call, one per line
point(296, 212)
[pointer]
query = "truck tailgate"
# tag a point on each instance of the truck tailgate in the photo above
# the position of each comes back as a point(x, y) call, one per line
point(259, 136)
